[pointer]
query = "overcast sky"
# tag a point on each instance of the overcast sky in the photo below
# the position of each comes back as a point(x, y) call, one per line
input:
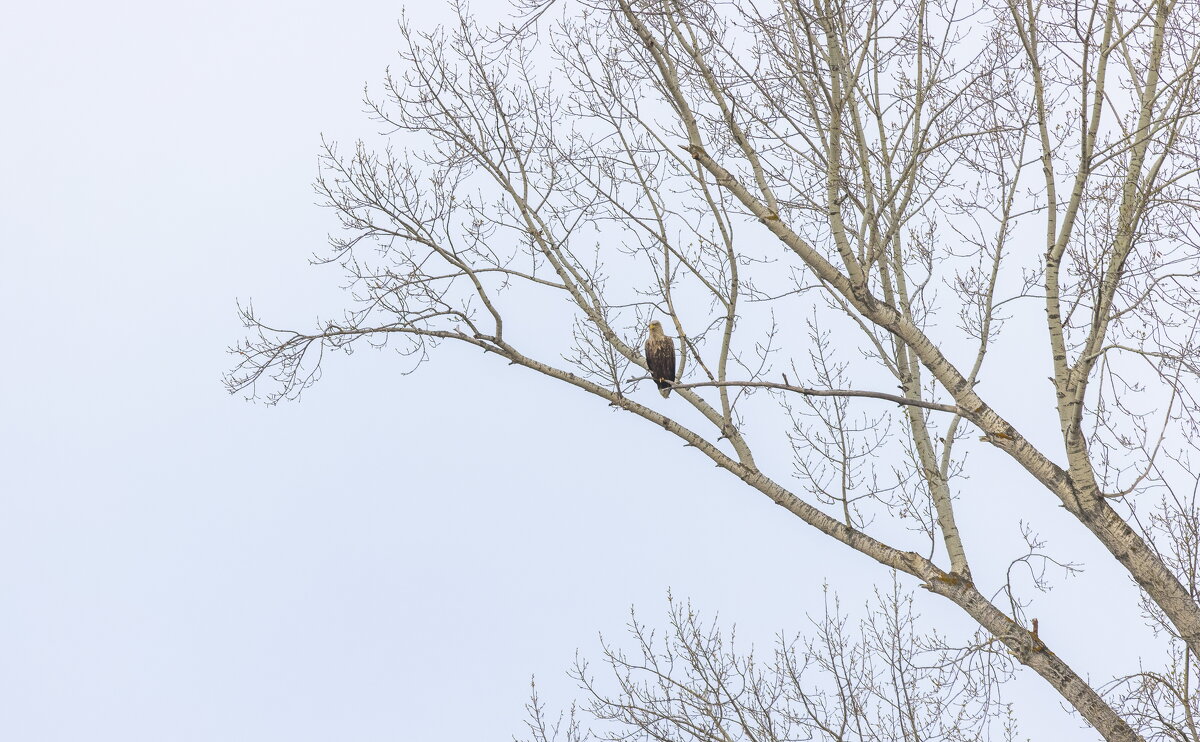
point(391, 558)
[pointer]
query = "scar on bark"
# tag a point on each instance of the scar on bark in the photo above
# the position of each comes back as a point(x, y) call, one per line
point(949, 578)
point(992, 437)
point(953, 578)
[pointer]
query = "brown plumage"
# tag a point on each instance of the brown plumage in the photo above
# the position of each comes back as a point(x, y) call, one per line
point(660, 358)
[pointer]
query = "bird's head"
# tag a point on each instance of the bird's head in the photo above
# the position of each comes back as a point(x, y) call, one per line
point(655, 326)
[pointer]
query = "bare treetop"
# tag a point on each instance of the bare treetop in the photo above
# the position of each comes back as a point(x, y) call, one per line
point(843, 204)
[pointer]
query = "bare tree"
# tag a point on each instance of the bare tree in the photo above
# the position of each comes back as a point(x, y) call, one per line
point(833, 203)
point(883, 680)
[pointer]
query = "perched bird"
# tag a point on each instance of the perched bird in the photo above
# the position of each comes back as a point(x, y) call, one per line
point(660, 358)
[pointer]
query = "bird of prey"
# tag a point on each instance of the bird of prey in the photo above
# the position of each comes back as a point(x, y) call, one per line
point(660, 358)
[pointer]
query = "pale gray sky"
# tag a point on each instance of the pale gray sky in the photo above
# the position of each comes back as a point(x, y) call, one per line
point(391, 558)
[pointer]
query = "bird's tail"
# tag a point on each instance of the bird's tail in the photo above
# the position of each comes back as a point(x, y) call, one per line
point(664, 388)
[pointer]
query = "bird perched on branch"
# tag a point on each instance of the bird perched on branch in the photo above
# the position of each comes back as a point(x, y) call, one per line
point(660, 358)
